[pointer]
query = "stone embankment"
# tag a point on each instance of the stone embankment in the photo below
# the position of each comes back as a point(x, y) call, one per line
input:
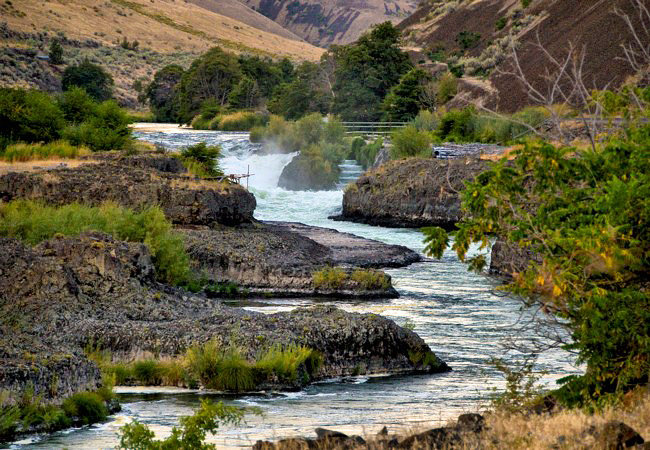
point(410, 193)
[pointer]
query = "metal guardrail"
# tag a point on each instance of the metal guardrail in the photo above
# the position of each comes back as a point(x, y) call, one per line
point(372, 128)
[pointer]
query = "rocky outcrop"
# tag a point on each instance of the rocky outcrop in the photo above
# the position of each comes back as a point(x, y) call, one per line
point(412, 192)
point(280, 259)
point(68, 293)
point(305, 174)
point(135, 182)
point(507, 259)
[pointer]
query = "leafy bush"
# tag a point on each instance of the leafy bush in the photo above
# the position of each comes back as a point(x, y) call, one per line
point(447, 88)
point(107, 129)
point(501, 23)
point(147, 372)
point(371, 279)
point(28, 116)
point(56, 52)
point(86, 407)
point(468, 39)
point(34, 222)
point(202, 160)
point(457, 125)
point(53, 150)
point(192, 431)
point(284, 362)
point(329, 278)
point(76, 105)
point(408, 141)
point(93, 78)
point(366, 154)
point(241, 121)
point(425, 121)
point(588, 221)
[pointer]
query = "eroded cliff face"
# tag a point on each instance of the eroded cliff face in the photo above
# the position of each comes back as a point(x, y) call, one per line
point(412, 192)
point(324, 23)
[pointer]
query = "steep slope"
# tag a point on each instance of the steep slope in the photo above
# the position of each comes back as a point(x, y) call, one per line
point(242, 13)
point(167, 32)
point(328, 22)
point(161, 25)
point(436, 26)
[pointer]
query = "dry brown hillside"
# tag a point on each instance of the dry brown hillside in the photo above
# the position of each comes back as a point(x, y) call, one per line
point(326, 22)
point(160, 25)
point(588, 24)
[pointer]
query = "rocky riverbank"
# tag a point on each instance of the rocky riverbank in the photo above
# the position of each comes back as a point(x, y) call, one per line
point(68, 296)
point(92, 290)
point(225, 242)
point(410, 193)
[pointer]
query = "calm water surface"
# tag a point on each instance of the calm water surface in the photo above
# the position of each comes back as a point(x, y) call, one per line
point(456, 312)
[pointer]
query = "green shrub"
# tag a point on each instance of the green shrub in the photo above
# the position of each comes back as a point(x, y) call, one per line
point(201, 123)
point(329, 278)
point(408, 141)
point(241, 121)
point(366, 154)
point(31, 152)
point(34, 222)
point(202, 160)
point(76, 105)
point(501, 23)
point(468, 39)
point(425, 121)
point(9, 420)
point(284, 362)
point(371, 279)
point(457, 125)
point(526, 3)
point(147, 372)
point(192, 431)
point(93, 78)
point(107, 129)
point(447, 88)
point(28, 116)
point(86, 407)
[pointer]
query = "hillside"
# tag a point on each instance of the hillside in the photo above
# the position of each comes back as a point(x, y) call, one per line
point(328, 22)
point(488, 27)
point(167, 32)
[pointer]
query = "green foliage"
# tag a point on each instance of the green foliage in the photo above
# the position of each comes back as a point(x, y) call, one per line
point(526, 3)
point(301, 95)
point(521, 386)
point(220, 368)
point(147, 372)
point(34, 222)
point(365, 72)
point(408, 141)
point(371, 279)
point(436, 241)
point(403, 102)
point(468, 39)
point(56, 52)
point(501, 23)
point(285, 361)
point(162, 93)
point(93, 78)
point(246, 94)
point(202, 160)
point(86, 407)
point(76, 105)
point(240, 121)
point(447, 88)
point(213, 75)
point(586, 215)
point(425, 121)
point(329, 278)
point(31, 152)
point(106, 129)
point(457, 125)
point(29, 116)
point(365, 154)
point(190, 435)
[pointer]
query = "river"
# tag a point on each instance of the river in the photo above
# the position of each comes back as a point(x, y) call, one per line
point(456, 312)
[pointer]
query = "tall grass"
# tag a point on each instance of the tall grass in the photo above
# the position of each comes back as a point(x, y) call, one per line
point(22, 152)
point(34, 222)
point(214, 366)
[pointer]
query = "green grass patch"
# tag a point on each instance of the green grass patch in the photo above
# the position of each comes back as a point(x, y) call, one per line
point(214, 366)
point(371, 279)
point(22, 152)
point(34, 222)
point(336, 278)
point(329, 278)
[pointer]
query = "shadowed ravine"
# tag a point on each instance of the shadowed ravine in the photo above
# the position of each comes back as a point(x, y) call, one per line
point(453, 310)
